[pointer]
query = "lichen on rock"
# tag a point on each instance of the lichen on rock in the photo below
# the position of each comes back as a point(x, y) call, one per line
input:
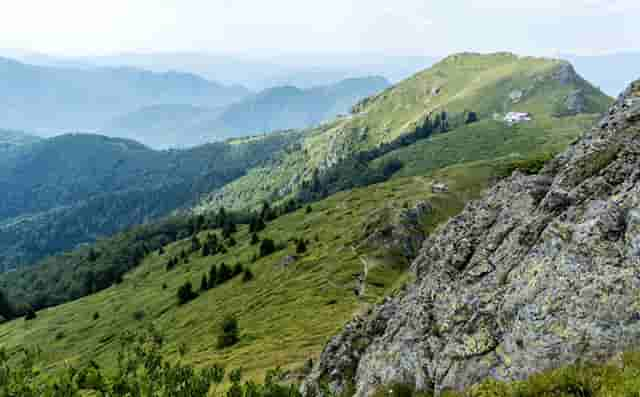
point(541, 272)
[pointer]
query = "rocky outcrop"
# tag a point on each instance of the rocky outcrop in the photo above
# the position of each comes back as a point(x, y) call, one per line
point(576, 102)
point(565, 74)
point(544, 270)
point(397, 229)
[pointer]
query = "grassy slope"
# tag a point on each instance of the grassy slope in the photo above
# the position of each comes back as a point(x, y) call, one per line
point(487, 140)
point(466, 82)
point(285, 314)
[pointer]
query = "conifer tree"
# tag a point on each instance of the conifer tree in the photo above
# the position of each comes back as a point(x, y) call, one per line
point(301, 246)
point(204, 284)
point(224, 273)
point(195, 244)
point(237, 270)
point(206, 251)
point(6, 310)
point(213, 276)
point(247, 275)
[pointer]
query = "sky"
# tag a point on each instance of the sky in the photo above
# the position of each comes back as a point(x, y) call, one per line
point(263, 28)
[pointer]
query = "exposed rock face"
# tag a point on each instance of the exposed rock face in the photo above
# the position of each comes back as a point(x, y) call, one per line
point(576, 102)
point(566, 74)
point(397, 229)
point(542, 271)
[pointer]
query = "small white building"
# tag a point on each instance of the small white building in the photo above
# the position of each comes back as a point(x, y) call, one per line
point(517, 117)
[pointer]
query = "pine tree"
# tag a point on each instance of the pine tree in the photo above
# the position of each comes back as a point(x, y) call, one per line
point(224, 273)
point(301, 246)
point(231, 242)
point(237, 270)
point(228, 229)
point(199, 223)
point(309, 209)
point(221, 217)
point(206, 251)
point(204, 284)
point(229, 332)
point(93, 255)
point(6, 310)
point(265, 213)
point(195, 244)
point(247, 275)
point(254, 239)
point(213, 276)
point(30, 314)
point(267, 247)
point(185, 293)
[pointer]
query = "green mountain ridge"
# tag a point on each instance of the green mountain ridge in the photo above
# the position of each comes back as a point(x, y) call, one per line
point(72, 189)
point(358, 241)
point(488, 85)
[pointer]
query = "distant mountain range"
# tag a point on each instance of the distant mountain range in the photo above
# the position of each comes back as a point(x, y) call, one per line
point(320, 69)
point(48, 100)
point(300, 70)
point(161, 109)
point(278, 108)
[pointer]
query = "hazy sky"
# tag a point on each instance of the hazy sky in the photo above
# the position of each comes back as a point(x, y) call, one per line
point(261, 27)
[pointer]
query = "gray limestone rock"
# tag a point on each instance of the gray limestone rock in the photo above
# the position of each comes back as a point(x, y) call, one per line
point(542, 271)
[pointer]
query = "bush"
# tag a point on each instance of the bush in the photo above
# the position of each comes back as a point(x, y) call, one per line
point(267, 247)
point(96, 316)
point(301, 246)
point(186, 294)
point(309, 209)
point(138, 315)
point(229, 332)
point(254, 239)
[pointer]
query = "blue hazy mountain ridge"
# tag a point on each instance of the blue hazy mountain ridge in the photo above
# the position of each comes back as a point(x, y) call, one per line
point(50, 100)
point(256, 73)
point(278, 108)
point(290, 107)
